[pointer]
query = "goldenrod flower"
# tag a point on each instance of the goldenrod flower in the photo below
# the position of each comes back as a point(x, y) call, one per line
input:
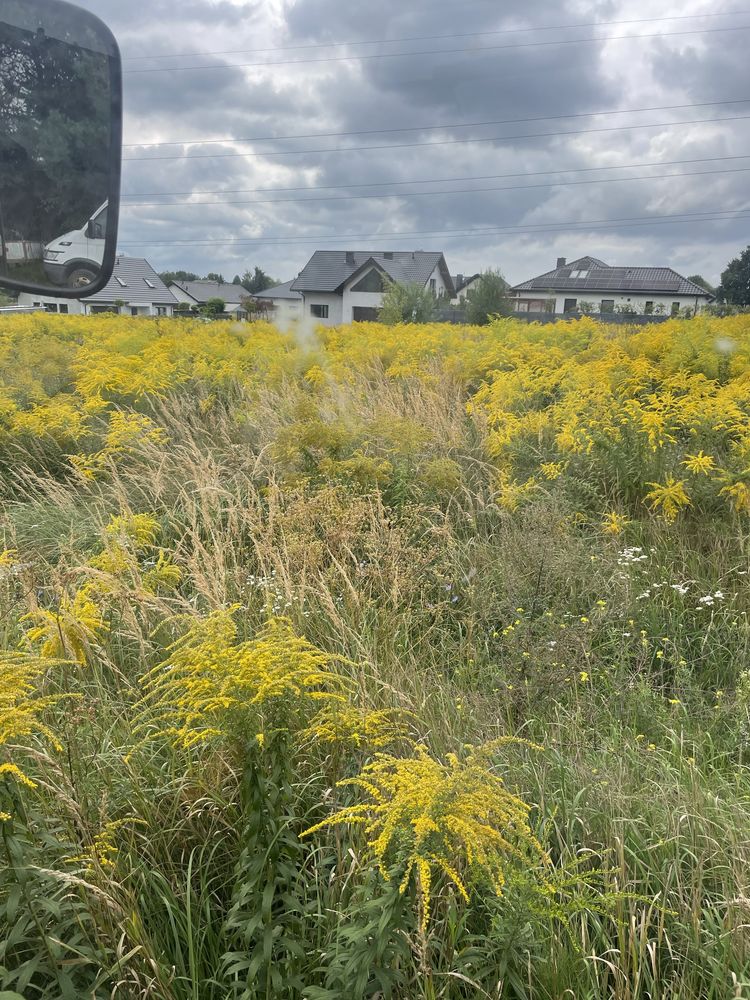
point(138, 531)
point(614, 523)
point(670, 496)
point(739, 496)
point(71, 630)
point(22, 707)
point(209, 677)
point(102, 854)
point(424, 816)
point(700, 463)
point(551, 470)
point(352, 727)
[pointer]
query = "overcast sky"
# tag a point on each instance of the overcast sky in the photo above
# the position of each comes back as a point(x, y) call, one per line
point(342, 82)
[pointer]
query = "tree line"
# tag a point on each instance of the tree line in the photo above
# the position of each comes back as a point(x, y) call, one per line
point(253, 280)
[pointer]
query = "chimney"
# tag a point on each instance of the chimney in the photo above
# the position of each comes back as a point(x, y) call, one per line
point(459, 279)
point(350, 258)
point(388, 255)
point(561, 262)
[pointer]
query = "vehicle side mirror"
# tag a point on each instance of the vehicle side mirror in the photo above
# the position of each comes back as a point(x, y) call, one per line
point(60, 148)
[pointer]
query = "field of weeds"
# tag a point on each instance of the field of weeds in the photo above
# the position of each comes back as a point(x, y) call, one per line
point(376, 662)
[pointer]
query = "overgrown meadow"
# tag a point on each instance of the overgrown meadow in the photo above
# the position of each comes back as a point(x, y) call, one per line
point(403, 662)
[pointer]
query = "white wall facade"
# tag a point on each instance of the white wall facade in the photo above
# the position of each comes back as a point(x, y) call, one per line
point(341, 307)
point(464, 291)
point(335, 305)
point(72, 306)
point(367, 300)
point(80, 307)
point(284, 311)
point(662, 304)
point(440, 286)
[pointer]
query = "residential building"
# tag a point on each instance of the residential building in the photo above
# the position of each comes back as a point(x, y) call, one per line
point(283, 302)
point(344, 286)
point(463, 284)
point(135, 289)
point(588, 285)
point(197, 293)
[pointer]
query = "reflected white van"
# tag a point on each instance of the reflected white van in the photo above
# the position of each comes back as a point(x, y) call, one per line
point(75, 258)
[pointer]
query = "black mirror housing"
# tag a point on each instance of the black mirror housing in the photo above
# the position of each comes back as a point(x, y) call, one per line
point(60, 148)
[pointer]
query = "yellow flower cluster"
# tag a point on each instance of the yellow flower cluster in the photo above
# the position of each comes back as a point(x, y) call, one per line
point(102, 854)
point(664, 404)
point(656, 401)
point(351, 727)
point(209, 678)
point(424, 816)
point(21, 708)
point(70, 630)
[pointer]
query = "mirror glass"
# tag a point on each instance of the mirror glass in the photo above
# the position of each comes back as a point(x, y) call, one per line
point(59, 147)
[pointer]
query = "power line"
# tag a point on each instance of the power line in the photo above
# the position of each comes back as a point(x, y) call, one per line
point(432, 128)
point(430, 38)
point(434, 180)
point(725, 215)
point(432, 52)
point(438, 142)
point(427, 194)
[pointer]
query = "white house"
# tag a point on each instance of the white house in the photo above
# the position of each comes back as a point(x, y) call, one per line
point(590, 285)
point(463, 284)
point(135, 289)
point(345, 286)
point(197, 293)
point(285, 304)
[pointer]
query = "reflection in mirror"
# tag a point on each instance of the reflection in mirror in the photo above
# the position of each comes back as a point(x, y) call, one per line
point(55, 145)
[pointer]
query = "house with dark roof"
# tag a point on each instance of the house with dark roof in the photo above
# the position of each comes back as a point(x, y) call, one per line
point(135, 289)
point(588, 285)
point(462, 285)
point(283, 302)
point(345, 286)
point(194, 294)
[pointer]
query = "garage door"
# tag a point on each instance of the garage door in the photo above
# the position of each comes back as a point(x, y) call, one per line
point(364, 314)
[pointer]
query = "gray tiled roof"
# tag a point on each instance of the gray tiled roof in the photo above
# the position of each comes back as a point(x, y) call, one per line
point(202, 291)
point(130, 282)
point(601, 278)
point(462, 280)
point(328, 270)
point(283, 291)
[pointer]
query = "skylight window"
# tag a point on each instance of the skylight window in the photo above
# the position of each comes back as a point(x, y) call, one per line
point(149, 283)
point(579, 274)
point(120, 282)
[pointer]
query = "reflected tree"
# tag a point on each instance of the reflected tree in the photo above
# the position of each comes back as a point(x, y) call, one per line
point(54, 132)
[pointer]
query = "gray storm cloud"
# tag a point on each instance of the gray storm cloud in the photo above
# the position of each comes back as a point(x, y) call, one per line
point(421, 92)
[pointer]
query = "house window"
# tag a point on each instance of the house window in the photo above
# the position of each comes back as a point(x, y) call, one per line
point(649, 308)
point(607, 306)
point(161, 310)
point(370, 282)
point(101, 309)
point(675, 308)
point(318, 310)
point(364, 314)
point(50, 307)
point(433, 286)
point(569, 305)
point(134, 310)
point(63, 308)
